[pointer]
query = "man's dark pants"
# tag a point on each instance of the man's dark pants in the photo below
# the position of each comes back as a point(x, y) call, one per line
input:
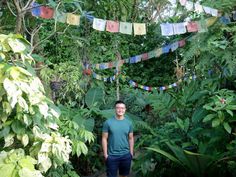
point(121, 163)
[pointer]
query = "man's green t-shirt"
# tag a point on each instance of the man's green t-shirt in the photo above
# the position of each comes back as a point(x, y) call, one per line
point(118, 135)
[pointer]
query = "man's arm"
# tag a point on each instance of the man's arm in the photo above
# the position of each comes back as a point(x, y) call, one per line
point(104, 144)
point(131, 143)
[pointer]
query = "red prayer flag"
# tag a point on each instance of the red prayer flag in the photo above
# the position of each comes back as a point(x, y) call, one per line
point(110, 65)
point(145, 56)
point(46, 12)
point(112, 26)
point(182, 43)
point(192, 27)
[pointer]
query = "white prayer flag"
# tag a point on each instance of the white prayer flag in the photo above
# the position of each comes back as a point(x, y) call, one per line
point(167, 29)
point(198, 8)
point(207, 9)
point(172, 1)
point(99, 24)
point(189, 5)
point(179, 28)
point(214, 12)
point(183, 2)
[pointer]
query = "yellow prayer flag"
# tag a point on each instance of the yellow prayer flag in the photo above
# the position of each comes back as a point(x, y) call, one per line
point(139, 28)
point(210, 21)
point(73, 19)
point(158, 52)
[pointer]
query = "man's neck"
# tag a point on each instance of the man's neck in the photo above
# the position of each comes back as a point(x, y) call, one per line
point(119, 117)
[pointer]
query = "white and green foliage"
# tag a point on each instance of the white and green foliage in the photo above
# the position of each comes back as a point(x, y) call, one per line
point(28, 117)
point(16, 163)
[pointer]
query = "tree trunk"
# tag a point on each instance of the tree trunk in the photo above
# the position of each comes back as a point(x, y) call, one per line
point(19, 20)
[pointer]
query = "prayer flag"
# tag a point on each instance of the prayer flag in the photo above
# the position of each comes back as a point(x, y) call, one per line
point(214, 12)
point(202, 27)
point(126, 60)
point(207, 9)
point(97, 66)
point(110, 65)
point(198, 8)
point(179, 28)
point(189, 5)
point(60, 16)
point(133, 60)
point(151, 54)
point(99, 24)
point(158, 52)
point(174, 46)
point(139, 28)
point(112, 26)
point(46, 12)
point(172, 1)
point(167, 29)
point(144, 56)
point(211, 21)
point(182, 43)
point(73, 19)
point(103, 66)
point(138, 58)
point(36, 10)
point(174, 84)
point(89, 17)
point(166, 49)
point(182, 2)
point(225, 20)
point(126, 28)
point(192, 27)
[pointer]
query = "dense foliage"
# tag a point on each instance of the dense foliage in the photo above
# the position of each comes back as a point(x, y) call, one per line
point(184, 131)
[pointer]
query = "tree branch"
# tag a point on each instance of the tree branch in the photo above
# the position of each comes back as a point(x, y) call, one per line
point(17, 4)
point(9, 7)
point(28, 4)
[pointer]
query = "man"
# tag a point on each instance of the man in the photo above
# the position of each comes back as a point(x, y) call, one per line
point(118, 142)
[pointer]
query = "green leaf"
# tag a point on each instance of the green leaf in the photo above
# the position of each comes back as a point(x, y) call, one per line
point(18, 127)
point(38, 58)
point(209, 117)
point(216, 122)
point(16, 45)
point(81, 148)
point(232, 107)
point(5, 131)
point(94, 96)
point(27, 162)
point(25, 172)
point(186, 124)
point(166, 154)
point(227, 127)
point(25, 140)
point(180, 123)
point(198, 115)
point(6, 170)
point(230, 112)
point(9, 140)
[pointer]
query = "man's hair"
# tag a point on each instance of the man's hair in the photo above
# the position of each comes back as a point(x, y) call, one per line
point(119, 102)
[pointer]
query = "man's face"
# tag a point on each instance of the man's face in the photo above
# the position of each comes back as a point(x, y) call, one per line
point(120, 109)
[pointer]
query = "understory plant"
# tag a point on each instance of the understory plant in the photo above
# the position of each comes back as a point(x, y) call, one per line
point(29, 129)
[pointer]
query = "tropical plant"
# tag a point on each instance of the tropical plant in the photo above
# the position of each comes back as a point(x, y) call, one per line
point(221, 108)
point(28, 117)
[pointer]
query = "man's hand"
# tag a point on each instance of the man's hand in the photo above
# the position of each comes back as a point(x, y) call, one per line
point(105, 156)
point(132, 154)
